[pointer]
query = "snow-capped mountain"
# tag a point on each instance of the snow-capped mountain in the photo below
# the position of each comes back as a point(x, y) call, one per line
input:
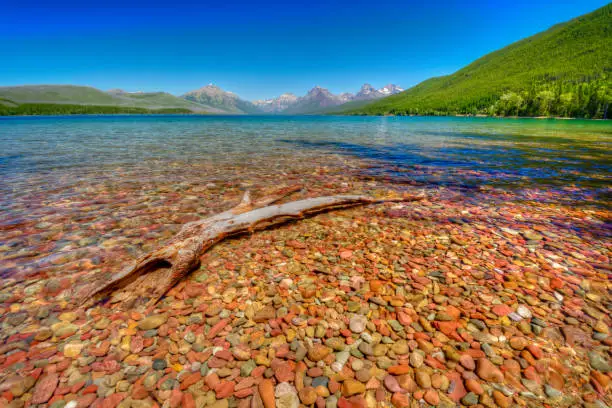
point(367, 91)
point(317, 100)
point(276, 105)
point(390, 89)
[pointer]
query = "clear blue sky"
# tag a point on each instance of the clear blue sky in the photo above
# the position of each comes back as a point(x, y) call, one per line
point(259, 49)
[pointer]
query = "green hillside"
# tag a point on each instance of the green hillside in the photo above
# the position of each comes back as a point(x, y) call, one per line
point(49, 99)
point(57, 94)
point(564, 71)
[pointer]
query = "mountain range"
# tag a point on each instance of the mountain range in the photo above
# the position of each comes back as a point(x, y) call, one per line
point(319, 99)
point(208, 99)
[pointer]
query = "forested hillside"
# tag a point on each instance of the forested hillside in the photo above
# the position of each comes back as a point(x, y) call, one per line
point(564, 71)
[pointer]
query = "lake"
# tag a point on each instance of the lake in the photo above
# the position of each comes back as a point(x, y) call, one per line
point(466, 150)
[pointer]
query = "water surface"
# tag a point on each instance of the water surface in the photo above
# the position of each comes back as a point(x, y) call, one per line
point(450, 151)
point(78, 193)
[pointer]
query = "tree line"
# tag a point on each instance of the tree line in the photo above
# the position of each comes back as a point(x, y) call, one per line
point(68, 109)
point(589, 100)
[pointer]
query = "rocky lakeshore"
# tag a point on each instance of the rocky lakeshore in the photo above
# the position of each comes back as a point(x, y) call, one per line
point(493, 291)
point(477, 298)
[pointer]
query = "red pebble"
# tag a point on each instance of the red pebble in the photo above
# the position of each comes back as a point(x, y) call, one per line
point(556, 283)
point(456, 389)
point(224, 354)
point(139, 392)
point(90, 389)
point(176, 397)
point(243, 393)
point(535, 351)
point(225, 389)
point(212, 380)
point(85, 401)
point(190, 379)
point(258, 371)
point(76, 387)
point(400, 400)
point(501, 310)
point(216, 329)
point(333, 386)
point(188, 401)
point(113, 400)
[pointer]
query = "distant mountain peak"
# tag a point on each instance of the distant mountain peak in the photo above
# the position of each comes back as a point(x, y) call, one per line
point(319, 98)
point(391, 89)
point(318, 88)
point(210, 86)
point(225, 101)
point(276, 105)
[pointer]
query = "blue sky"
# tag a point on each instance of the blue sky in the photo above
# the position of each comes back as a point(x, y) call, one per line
point(259, 49)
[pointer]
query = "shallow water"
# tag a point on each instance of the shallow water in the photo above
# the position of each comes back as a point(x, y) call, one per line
point(70, 184)
point(496, 237)
point(549, 150)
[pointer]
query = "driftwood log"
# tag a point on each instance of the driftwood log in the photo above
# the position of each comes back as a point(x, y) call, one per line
point(155, 273)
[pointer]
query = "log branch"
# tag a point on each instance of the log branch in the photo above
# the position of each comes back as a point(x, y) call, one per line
point(155, 273)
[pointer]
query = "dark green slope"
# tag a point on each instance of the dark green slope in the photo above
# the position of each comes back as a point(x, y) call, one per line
point(562, 71)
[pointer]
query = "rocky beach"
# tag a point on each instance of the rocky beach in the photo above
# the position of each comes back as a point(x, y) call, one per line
point(479, 295)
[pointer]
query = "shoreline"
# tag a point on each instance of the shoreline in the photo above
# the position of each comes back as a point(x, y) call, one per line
point(195, 114)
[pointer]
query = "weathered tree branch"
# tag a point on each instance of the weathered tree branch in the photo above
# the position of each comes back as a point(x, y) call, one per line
point(155, 273)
